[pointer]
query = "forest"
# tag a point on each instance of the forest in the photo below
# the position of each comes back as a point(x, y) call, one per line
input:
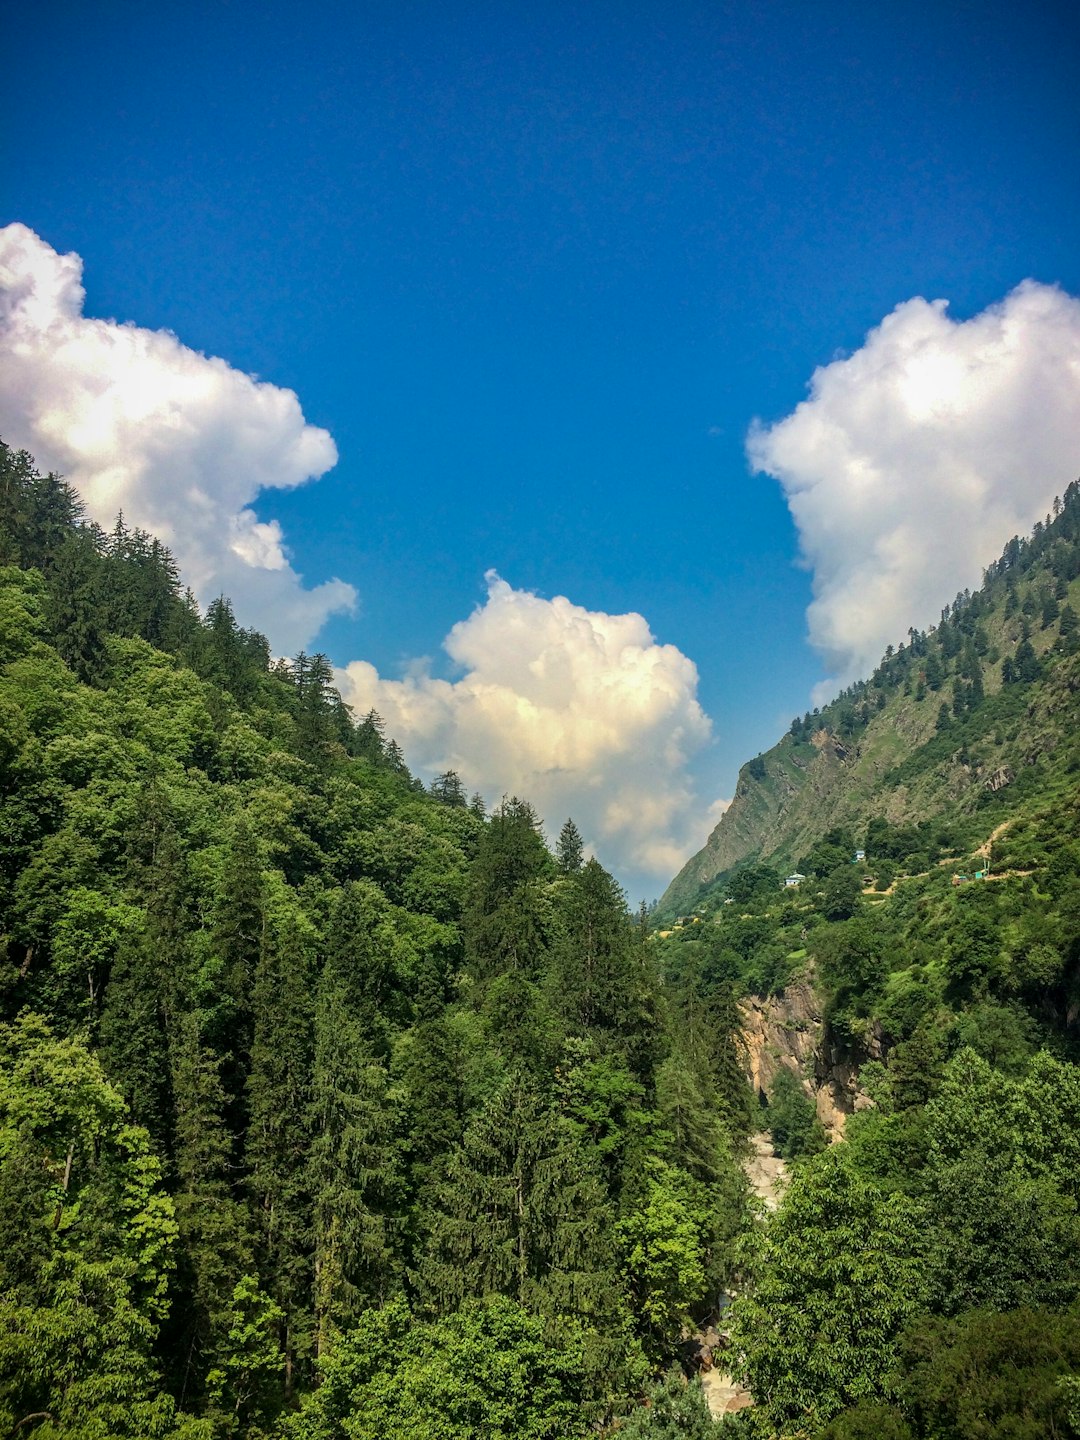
point(333, 1107)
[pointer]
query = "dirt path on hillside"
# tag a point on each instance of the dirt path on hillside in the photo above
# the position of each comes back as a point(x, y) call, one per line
point(984, 848)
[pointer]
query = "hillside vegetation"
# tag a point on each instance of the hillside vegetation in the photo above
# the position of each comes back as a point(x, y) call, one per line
point(960, 724)
point(921, 1279)
point(332, 1108)
point(309, 1073)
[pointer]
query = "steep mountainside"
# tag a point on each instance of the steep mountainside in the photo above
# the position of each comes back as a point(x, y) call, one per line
point(958, 714)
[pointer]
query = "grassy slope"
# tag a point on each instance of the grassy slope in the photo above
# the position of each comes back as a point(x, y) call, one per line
point(897, 765)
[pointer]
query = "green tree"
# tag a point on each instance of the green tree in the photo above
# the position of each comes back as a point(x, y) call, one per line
point(504, 915)
point(87, 1240)
point(993, 1375)
point(840, 896)
point(490, 1368)
point(673, 1410)
point(1003, 1205)
point(793, 1123)
point(664, 1255)
point(215, 1235)
point(520, 1214)
point(836, 1275)
point(357, 1168)
point(277, 1140)
point(570, 850)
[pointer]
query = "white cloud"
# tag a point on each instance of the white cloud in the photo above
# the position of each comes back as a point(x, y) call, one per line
point(580, 712)
point(179, 441)
point(915, 459)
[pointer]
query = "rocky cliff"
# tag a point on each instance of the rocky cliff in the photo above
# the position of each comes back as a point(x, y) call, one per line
point(787, 1032)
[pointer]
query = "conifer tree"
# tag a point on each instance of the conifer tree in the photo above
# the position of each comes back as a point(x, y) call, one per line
point(570, 850)
point(448, 788)
point(520, 1214)
point(432, 1081)
point(369, 742)
point(237, 939)
point(357, 1167)
point(74, 606)
point(216, 1249)
point(277, 1148)
point(593, 961)
point(504, 920)
point(134, 1044)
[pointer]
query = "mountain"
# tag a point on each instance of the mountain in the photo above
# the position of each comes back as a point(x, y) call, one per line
point(959, 722)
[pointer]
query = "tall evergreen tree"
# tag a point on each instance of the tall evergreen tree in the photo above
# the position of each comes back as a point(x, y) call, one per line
point(570, 850)
point(520, 1214)
point(504, 916)
point(357, 1163)
point(277, 1141)
point(216, 1249)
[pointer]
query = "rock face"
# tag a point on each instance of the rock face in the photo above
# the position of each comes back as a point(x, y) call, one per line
point(786, 1032)
point(1001, 777)
point(766, 1172)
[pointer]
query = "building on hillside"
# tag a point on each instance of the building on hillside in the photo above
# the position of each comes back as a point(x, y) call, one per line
point(860, 855)
point(792, 882)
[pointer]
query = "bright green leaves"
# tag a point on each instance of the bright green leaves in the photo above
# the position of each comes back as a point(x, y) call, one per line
point(837, 1273)
point(664, 1255)
point(89, 1247)
point(488, 1369)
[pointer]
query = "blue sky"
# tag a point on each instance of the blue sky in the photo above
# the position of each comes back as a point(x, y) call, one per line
point(537, 270)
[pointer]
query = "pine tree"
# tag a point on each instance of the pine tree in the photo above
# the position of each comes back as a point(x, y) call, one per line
point(519, 1214)
point(448, 789)
point(369, 742)
point(432, 1082)
point(570, 850)
point(503, 916)
point(277, 1141)
point(237, 939)
point(134, 1044)
point(74, 606)
point(1069, 630)
point(593, 962)
point(216, 1250)
point(357, 1166)
point(318, 705)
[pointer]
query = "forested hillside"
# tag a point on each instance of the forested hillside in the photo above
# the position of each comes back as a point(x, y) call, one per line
point(913, 994)
point(332, 1108)
point(951, 725)
point(309, 1074)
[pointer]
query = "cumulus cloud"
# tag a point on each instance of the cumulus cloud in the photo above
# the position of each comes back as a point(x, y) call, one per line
point(580, 712)
point(181, 442)
point(915, 459)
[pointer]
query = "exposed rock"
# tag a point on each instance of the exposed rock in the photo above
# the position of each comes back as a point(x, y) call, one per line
point(723, 1395)
point(780, 1031)
point(766, 1172)
point(1001, 777)
point(786, 1032)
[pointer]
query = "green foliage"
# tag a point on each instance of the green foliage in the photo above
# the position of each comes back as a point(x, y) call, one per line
point(87, 1242)
point(991, 1375)
point(377, 1046)
point(519, 1214)
point(489, 1368)
point(663, 1255)
point(673, 1410)
point(792, 1119)
point(836, 1275)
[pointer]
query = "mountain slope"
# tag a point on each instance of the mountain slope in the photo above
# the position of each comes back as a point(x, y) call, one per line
point(961, 713)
